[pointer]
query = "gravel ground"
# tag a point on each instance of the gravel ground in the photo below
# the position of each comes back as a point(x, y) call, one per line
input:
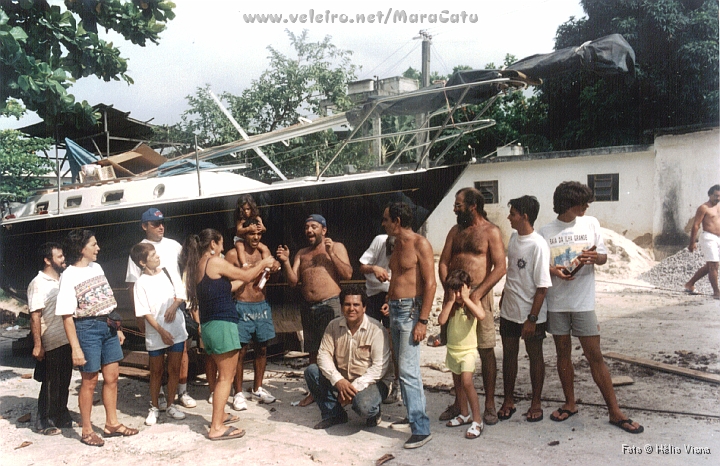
point(673, 272)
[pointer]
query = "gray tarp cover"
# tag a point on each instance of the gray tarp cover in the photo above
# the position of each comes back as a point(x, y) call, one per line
point(607, 55)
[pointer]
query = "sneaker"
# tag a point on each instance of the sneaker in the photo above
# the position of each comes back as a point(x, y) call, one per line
point(262, 396)
point(174, 412)
point(152, 416)
point(374, 421)
point(162, 401)
point(239, 402)
point(210, 398)
point(416, 441)
point(186, 401)
point(394, 395)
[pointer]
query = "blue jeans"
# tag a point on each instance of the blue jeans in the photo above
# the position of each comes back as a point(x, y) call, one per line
point(366, 403)
point(404, 315)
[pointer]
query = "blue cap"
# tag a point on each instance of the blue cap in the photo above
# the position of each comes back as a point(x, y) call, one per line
point(152, 215)
point(317, 218)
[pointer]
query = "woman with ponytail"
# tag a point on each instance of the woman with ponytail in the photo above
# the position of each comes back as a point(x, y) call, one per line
point(210, 282)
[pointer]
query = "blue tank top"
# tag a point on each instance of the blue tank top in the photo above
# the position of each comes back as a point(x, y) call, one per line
point(215, 299)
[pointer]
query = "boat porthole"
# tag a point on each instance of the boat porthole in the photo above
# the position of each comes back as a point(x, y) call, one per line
point(159, 191)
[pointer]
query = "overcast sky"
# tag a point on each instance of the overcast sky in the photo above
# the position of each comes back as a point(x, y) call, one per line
point(210, 42)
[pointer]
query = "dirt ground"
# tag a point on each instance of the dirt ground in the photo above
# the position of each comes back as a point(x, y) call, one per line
point(677, 412)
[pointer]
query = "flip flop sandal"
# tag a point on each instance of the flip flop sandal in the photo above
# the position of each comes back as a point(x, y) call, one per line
point(119, 431)
point(458, 420)
point(229, 434)
point(230, 419)
point(92, 439)
point(505, 417)
point(51, 431)
point(474, 431)
point(560, 413)
point(626, 425)
point(529, 418)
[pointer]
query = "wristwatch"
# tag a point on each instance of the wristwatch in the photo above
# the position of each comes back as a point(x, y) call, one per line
point(423, 321)
point(532, 318)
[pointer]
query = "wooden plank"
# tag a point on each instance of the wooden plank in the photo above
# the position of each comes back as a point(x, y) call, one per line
point(137, 359)
point(695, 374)
point(134, 372)
point(620, 380)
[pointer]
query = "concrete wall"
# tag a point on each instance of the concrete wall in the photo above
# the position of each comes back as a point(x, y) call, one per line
point(686, 165)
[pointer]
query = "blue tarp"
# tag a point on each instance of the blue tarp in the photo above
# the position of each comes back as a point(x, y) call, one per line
point(176, 167)
point(78, 156)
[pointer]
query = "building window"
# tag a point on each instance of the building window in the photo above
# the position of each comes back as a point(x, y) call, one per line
point(489, 190)
point(605, 187)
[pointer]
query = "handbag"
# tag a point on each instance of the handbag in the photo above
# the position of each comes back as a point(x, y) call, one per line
point(192, 327)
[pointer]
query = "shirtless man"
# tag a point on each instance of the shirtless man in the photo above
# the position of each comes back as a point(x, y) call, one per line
point(318, 268)
point(475, 245)
point(256, 324)
point(410, 298)
point(708, 214)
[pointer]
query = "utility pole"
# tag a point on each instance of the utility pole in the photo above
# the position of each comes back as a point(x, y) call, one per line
point(421, 120)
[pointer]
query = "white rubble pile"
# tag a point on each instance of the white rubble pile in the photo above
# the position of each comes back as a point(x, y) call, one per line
point(673, 272)
point(626, 260)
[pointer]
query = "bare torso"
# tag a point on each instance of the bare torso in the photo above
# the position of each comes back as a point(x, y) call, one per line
point(470, 251)
point(711, 219)
point(318, 275)
point(248, 292)
point(407, 281)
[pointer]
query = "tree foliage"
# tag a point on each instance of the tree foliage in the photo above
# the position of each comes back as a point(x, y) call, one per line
point(44, 49)
point(302, 85)
point(20, 166)
point(676, 75)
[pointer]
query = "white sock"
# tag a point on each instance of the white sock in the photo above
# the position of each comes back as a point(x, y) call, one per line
point(182, 388)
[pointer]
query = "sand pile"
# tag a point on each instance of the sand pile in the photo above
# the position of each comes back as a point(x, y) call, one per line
point(626, 260)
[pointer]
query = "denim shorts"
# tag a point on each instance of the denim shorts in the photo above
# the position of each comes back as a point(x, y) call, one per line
point(255, 322)
point(176, 348)
point(99, 344)
point(315, 317)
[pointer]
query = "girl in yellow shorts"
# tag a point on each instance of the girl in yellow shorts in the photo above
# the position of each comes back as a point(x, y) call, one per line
point(462, 314)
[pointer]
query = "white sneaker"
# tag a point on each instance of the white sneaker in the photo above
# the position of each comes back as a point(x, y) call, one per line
point(162, 401)
point(262, 396)
point(239, 402)
point(152, 416)
point(174, 412)
point(210, 398)
point(186, 401)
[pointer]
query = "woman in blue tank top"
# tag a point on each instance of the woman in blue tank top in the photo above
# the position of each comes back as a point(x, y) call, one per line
point(210, 281)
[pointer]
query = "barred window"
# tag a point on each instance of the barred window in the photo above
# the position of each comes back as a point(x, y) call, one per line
point(605, 187)
point(489, 190)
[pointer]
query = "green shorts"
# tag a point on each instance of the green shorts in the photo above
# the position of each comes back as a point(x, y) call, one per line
point(220, 336)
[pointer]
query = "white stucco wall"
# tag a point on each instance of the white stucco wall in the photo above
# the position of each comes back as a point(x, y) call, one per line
point(631, 216)
point(686, 166)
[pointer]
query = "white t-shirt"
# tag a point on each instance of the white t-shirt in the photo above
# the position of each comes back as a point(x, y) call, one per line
point(376, 255)
point(153, 295)
point(41, 293)
point(84, 292)
point(169, 251)
point(528, 258)
point(567, 241)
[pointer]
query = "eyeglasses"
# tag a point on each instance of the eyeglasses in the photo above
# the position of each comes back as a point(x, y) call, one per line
point(157, 224)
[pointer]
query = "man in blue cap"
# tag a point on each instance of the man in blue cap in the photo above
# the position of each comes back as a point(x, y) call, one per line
point(319, 267)
point(153, 223)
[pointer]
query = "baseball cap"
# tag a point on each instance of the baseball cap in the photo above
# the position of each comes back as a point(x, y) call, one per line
point(152, 215)
point(317, 218)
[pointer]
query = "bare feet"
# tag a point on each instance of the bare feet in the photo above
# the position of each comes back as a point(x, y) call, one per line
point(307, 401)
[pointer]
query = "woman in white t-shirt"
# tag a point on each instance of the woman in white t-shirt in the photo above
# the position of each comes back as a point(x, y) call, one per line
point(156, 301)
point(85, 301)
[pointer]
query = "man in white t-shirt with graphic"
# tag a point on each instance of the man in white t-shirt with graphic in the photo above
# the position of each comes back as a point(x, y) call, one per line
point(153, 223)
point(521, 307)
point(576, 245)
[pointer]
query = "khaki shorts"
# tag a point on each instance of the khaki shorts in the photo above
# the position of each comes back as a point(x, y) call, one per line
point(486, 327)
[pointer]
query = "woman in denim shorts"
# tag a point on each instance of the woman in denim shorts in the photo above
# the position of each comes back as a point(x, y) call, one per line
point(85, 301)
